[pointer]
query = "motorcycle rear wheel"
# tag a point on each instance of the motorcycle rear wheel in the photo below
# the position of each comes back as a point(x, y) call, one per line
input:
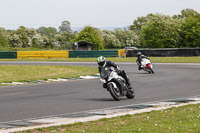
point(130, 94)
point(151, 70)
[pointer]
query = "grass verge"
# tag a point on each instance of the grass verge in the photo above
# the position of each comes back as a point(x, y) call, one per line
point(20, 73)
point(116, 59)
point(184, 119)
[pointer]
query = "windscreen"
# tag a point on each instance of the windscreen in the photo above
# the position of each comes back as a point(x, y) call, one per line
point(105, 72)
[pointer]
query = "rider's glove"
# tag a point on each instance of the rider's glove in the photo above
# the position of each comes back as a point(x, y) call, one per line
point(118, 68)
point(112, 69)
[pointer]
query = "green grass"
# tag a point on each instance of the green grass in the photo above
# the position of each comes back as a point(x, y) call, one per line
point(175, 59)
point(116, 59)
point(17, 73)
point(184, 119)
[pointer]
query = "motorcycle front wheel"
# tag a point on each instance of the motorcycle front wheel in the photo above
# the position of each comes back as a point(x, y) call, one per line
point(115, 92)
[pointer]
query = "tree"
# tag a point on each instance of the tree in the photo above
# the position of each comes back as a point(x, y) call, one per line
point(189, 13)
point(190, 32)
point(50, 31)
point(161, 31)
point(64, 39)
point(2, 30)
point(92, 35)
point(25, 37)
point(3, 41)
point(109, 39)
point(127, 38)
point(66, 26)
point(3, 38)
point(140, 21)
point(131, 38)
point(19, 38)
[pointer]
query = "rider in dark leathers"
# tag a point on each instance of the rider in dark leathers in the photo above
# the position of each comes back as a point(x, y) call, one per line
point(101, 61)
point(139, 58)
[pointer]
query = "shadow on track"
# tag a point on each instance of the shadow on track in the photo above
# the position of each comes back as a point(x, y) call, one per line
point(139, 73)
point(104, 99)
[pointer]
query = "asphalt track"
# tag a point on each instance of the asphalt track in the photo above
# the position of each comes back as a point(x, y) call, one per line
point(46, 99)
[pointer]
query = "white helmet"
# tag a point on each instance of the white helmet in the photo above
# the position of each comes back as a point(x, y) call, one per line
point(101, 61)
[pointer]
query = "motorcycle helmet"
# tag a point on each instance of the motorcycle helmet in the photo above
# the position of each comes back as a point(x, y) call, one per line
point(101, 61)
point(139, 53)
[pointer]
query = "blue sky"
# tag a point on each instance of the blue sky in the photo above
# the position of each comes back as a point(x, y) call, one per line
point(80, 13)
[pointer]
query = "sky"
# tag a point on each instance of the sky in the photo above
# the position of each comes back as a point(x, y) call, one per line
point(81, 13)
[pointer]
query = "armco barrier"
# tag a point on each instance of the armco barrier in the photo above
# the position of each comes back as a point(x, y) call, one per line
point(93, 53)
point(42, 54)
point(166, 52)
point(8, 55)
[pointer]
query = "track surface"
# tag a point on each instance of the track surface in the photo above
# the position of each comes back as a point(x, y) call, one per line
point(46, 99)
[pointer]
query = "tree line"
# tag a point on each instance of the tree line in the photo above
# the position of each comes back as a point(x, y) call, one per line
point(163, 31)
point(150, 31)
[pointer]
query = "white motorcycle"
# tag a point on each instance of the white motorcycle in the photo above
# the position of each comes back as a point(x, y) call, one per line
point(147, 65)
point(115, 84)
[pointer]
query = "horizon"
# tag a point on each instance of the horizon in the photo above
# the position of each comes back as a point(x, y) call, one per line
point(96, 13)
point(76, 28)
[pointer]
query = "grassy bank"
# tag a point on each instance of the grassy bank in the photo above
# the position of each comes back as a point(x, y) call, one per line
point(10, 73)
point(116, 59)
point(184, 119)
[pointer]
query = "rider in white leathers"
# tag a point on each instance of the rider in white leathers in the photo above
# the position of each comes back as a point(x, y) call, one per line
point(139, 59)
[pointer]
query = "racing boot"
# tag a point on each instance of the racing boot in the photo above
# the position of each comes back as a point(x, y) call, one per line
point(129, 85)
point(139, 67)
point(126, 78)
point(128, 82)
point(131, 89)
